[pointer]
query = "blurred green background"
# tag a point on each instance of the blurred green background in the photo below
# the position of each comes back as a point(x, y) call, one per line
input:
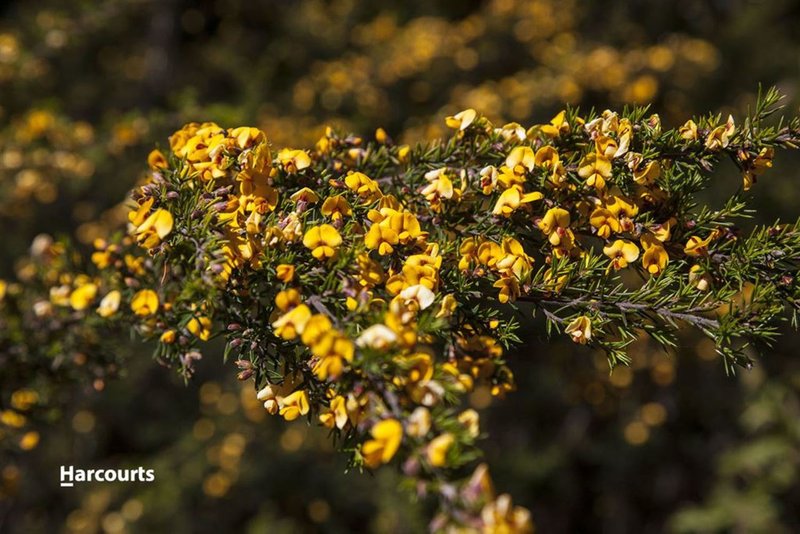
point(670, 444)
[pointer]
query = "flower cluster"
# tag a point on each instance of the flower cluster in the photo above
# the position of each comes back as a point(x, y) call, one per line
point(365, 285)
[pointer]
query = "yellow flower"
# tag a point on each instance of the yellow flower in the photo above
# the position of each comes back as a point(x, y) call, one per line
point(109, 304)
point(316, 327)
point(688, 131)
point(403, 152)
point(511, 199)
point(605, 222)
point(288, 298)
point(144, 303)
point(438, 448)
point(461, 121)
point(580, 329)
point(371, 273)
point(333, 350)
point(156, 160)
point(755, 167)
point(720, 136)
point(509, 289)
point(377, 336)
point(605, 146)
point(336, 207)
point(557, 126)
point(294, 160)
point(101, 259)
point(403, 224)
point(154, 229)
point(322, 240)
point(82, 297)
point(439, 188)
point(12, 419)
point(285, 272)
point(419, 294)
point(655, 256)
point(514, 259)
point(619, 204)
point(292, 323)
point(418, 368)
point(247, 136)
point(29, 440)
point(546, 156)
point(471, 420)
point(294, 405)
point(521, 159)
point(448, 307)
point(386, 438)
point(555, 225)
point(699, 278)
point(168, 337)
point(24, 399)
point(696, 247)
point(621, 253)
point(419, 422)
point(305, 195)
point(200, 327)
point(364, 186)
point(647, 174)
point(554, 219)
point(381, 238)
point(595, 169)
point(381, 136)
point(137, 217)
point(3, 288)
point(663, 231)
point(501, 517)
point(336, 414)
point(272, 395)
point(512, 131)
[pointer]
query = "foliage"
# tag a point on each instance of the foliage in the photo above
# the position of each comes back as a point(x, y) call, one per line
point(350, 281)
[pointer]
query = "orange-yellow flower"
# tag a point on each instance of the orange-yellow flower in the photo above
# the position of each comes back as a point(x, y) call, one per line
point(144, 303)
point(335, 414)
point(364, 186)
point(511, 199)
point(336, 207)
point(580, 329)
point(720, 136)
point(621, 253)
point(109, 304)
point(154, 229)
point(294, 160)
point(381, 238)
point(461, 120)
point(605, 222)
point(82, 297)
point(322, 240)
point(294, 405)
point(696, 247)
point(438, 448)
point(655, 256)
point(386, 438)
point(521, 159)
point(595, 169)
point(557, 126)
point(200, 327)
point(285, 272)
point(292, 323)
point(305, 195)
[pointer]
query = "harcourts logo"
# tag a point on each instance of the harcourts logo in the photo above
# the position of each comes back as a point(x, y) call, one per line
point(70, 475)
